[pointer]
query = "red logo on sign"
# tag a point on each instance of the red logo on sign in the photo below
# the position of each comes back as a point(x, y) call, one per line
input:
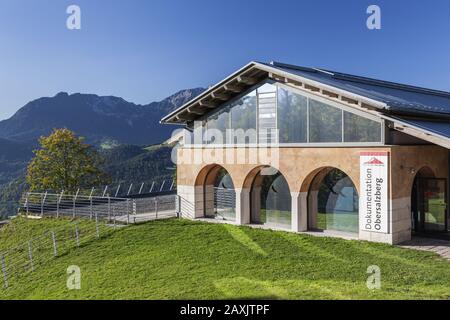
point(374, 162)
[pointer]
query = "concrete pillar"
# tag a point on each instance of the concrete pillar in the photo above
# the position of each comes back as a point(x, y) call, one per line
point(242, 206)
point(312, 208)
point(199, 203)
point(209, 201)
point(255, 204)
point(299, 218)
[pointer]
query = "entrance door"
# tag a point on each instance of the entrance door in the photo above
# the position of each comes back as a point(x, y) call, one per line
point(430, 207)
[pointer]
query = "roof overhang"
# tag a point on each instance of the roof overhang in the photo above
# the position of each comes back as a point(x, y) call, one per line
point(421, 132)
point(253, 73)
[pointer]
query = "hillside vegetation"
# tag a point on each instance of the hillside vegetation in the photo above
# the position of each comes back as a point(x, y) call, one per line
point(125, 164)
point(180, 259)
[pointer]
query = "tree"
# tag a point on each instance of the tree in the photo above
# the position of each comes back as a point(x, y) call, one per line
point(64, 162)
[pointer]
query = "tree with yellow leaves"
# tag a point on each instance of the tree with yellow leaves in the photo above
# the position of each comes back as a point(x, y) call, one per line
point(64, 162)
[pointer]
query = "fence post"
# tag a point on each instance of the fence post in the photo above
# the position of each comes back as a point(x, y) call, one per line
point(55, 248)
point(156, 207)
point(91, 209)
point(151, 188)
point(114, 215)
point(30, 255)
point(26, 202)
point(162, 186)
point(129, 189)
point(77, 235)
point(117, 191)
point(5, 271)
point(104, 191)
point(42, 204)
point(58, 202)
point(134, 210)
point(171, 185)
point(178, 206)
point(96, 226)
point(128, 211)
point(142, 186)
point(75, 203)
point(109, 208)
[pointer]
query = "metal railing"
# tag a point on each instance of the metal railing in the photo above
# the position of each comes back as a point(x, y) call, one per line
point(27, 257)
point(112, 209)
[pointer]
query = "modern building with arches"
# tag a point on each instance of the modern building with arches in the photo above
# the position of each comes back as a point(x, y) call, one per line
point(311, 150)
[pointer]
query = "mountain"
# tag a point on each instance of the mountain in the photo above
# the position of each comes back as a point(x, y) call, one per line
point(103, 120)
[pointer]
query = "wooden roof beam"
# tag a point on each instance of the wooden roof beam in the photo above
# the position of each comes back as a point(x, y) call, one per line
point(207, 104)
point(195, 111)
point(247, 80)
point(220, 96)
point(188, 117)
point(233, 88)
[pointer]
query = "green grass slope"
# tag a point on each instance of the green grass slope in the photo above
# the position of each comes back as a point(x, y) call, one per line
point(180, 259)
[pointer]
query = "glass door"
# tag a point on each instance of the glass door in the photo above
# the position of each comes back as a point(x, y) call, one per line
point(431, 212)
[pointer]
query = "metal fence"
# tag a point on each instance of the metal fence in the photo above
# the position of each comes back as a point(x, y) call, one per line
point(91, 217)
point(25, 258)
point(112, 209)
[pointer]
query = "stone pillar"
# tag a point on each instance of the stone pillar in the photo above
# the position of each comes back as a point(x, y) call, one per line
point(299, 211)
point(208, 202)
point(191, 201)
point(255, 204)
point(242, 206)
point(312, 208)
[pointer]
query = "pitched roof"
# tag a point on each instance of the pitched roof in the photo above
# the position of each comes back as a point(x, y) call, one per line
point(397, 97)
point(419, 111)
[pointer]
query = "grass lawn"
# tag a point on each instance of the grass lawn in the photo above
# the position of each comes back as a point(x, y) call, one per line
point(181, 259)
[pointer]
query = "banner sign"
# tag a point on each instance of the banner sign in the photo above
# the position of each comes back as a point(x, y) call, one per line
point(373, 200)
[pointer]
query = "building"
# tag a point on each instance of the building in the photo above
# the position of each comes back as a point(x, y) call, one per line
point(305, 149)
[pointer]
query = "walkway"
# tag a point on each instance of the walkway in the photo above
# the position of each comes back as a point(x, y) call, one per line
point(441, 247)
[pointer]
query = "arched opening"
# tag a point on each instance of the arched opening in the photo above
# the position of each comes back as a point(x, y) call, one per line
point(333, 202)
point(219, 196)
point(270, 199)
point(428, 203)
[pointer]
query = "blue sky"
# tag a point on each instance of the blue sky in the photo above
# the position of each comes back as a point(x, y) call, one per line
point(145, 50)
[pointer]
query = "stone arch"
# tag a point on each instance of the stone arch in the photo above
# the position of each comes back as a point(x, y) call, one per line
point(332, 200)
point(269, 197)
point(215, 193)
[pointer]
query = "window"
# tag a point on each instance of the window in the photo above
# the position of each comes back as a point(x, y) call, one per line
point(359, 129)
point(267, 114)
point(333, 202)
point(271, 200)
point(292, 117)
point(272, 113)
point(243, 119)
point(325, 122)
point(217, 126)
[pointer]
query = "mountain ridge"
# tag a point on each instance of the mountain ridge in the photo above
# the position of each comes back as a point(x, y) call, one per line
point(100, 119)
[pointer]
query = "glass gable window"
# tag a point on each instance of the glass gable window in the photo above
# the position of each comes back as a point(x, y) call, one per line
point(243, 119)
point(273, 113)
point(217, 126)
point(325, 122)
point(292, 117)
point(359, 129)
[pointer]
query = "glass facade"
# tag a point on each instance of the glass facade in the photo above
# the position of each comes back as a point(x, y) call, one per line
point(359, 129)
point(272, 199)
point(243, 119)
point(292, 117)
point(274, 114)
point(224, 196)
point(217, 127)
point(325, 122)
point(337, 203)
